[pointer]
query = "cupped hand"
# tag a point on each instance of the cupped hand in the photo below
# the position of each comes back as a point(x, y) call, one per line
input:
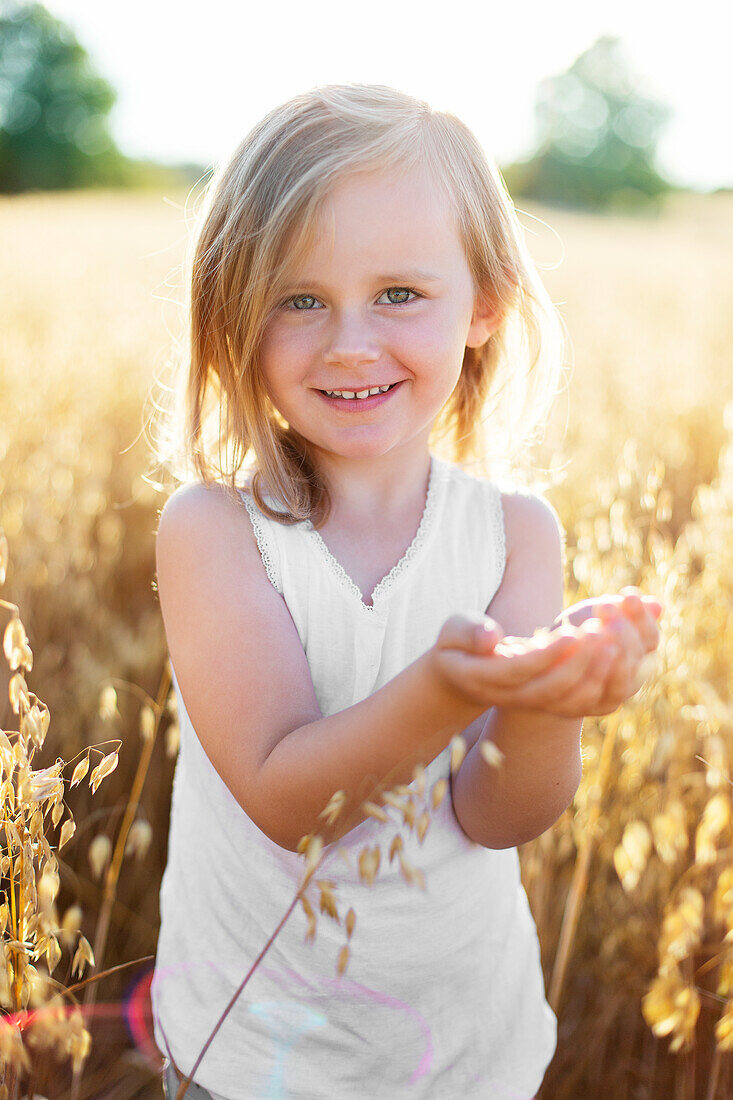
point(632, 618)
point(544, 672)
point(589, 664)
point(642, 612)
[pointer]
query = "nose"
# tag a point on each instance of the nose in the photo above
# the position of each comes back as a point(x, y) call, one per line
point(350, 341)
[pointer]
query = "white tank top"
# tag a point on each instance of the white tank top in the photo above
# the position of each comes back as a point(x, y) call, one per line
point(443, 993)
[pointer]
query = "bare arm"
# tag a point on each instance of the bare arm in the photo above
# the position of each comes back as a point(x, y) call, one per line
point(499, 807)
point(366, 748)
point(247, 687)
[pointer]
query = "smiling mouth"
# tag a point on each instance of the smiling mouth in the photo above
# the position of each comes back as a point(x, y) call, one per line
point(351, 395)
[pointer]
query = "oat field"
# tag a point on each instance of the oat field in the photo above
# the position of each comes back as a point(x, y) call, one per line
point(632, 890)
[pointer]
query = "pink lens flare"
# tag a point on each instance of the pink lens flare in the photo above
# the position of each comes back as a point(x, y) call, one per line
point(304, 1005)
point(134, 1008)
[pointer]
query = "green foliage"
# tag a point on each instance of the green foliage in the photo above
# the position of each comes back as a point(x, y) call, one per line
point(597, 136)
point(53, 108)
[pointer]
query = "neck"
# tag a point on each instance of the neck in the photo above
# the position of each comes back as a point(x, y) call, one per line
point(383, 489)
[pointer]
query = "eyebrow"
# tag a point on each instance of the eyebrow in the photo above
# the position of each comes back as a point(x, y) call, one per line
point(395, 278)
point(413, 275)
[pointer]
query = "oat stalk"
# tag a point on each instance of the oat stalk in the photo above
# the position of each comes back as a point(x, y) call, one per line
point(579, 883)
point(316, 845)
point(113, 870)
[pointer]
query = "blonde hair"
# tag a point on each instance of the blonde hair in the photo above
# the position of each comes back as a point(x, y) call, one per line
point(259, 212)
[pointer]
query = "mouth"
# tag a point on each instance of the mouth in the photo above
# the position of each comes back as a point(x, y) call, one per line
point(353, 404)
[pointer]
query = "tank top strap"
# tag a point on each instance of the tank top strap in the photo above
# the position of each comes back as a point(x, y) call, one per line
point(266, 541)
point(494, 518)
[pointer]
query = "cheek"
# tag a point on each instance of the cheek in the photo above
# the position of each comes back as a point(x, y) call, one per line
point(431, 343)
point(284, 349)
point(275, 341)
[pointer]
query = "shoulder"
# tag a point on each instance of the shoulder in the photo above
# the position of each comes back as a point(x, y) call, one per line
point(531, 591)
point(194, 505)
point(200, 519)
point(530, 521)
point(521, 518)
point(194, 498)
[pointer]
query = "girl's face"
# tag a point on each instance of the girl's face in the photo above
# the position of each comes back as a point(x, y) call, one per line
point(383, 297)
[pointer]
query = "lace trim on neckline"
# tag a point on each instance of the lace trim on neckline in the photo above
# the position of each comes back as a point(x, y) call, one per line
point(437, 470)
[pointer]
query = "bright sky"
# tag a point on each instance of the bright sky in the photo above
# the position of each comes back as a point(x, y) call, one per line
point(192, 79)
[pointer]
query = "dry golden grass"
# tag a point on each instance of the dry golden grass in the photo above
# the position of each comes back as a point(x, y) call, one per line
point(632, 888)
point(43, 1021)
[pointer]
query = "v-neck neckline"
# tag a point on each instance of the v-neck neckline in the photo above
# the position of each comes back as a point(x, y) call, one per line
point(388, 580)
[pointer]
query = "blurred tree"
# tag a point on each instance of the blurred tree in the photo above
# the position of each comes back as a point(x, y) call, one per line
point(53, 108)
point(597, 136)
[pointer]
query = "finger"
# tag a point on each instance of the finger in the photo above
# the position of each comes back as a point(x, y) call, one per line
point(609, 609)
point(596, 693)
point(577, 613)
point(648, 631)
point(486, 634)
point(588, 694)
point(631, 602)
point(650, 603)
point(648, 668)
point(617, 693)
point(608, 606)
point(624, 680)
point(525, 658)
point(643, 612)
point(506, 668)
point(597, 607)
point(627, 637)
point(556, 681)
point(469, 631)
point(653, 605)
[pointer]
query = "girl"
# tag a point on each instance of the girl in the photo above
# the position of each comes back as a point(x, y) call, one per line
point(360, 289)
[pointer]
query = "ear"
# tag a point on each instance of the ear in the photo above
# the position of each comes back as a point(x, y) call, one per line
point(484, 322)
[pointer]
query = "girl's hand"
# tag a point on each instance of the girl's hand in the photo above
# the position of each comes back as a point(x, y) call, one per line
point(633, 619)
point(587, 666)
point(561, 672)
point(641, 611)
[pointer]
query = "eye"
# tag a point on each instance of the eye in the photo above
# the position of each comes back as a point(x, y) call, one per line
point(398, 295)
point(302, 301)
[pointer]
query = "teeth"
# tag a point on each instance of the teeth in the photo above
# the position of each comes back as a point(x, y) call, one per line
point(360, 395)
